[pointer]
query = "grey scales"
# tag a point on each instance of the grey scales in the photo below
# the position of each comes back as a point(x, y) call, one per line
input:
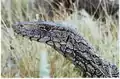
point(70, 44)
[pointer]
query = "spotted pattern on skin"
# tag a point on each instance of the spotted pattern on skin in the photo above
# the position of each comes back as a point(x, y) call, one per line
point(70, 44)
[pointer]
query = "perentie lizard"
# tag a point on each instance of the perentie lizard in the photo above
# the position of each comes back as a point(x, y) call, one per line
point(70, 44)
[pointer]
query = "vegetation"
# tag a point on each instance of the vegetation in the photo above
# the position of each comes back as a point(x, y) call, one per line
point(20, 56)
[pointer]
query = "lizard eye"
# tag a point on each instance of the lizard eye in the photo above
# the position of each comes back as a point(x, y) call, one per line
point(47, 28)
point(21, 25)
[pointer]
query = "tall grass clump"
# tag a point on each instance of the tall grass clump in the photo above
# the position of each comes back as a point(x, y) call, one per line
point(20, 57)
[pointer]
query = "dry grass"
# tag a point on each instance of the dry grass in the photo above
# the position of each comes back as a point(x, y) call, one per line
point(20, 56)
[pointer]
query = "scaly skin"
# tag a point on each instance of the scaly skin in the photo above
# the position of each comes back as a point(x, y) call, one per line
point(70, 44)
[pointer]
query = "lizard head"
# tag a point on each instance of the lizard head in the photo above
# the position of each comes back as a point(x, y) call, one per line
point(39, 30)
